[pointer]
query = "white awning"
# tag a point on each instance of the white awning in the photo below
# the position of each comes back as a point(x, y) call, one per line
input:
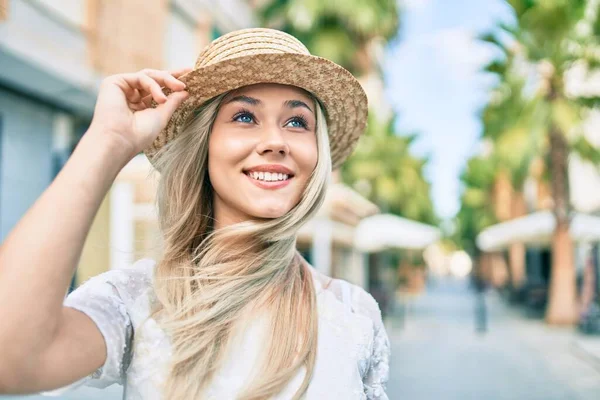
point(384, 231)
point(536, 229)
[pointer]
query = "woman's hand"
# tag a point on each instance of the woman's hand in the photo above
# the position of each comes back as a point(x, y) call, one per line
point(123, 110)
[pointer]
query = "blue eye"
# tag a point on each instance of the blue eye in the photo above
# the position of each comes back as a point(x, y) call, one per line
point(298, 122)
point(244, 117)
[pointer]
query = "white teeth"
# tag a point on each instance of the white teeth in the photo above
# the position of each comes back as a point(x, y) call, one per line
point(268, 176)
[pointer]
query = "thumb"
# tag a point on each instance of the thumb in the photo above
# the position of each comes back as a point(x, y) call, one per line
point(167, 108)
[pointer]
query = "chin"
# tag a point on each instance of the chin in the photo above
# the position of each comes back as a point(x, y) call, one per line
point(275, 211)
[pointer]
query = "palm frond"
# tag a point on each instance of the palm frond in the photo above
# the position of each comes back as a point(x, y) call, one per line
point(586, 150)
point(588, 102)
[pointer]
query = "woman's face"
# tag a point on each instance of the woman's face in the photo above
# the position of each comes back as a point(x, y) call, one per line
point(262, 152)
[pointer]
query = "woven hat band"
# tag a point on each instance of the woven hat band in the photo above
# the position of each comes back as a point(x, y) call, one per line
point(249, 42)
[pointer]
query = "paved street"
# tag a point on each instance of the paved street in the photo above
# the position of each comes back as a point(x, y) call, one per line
point(438, 354)
point(114, 392)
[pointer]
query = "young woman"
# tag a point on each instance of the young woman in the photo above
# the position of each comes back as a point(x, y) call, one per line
point(245, 143)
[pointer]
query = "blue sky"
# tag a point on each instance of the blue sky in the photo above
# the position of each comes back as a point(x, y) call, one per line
point(434, 84)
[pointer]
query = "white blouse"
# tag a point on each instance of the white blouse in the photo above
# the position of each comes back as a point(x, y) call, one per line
point(352, 354)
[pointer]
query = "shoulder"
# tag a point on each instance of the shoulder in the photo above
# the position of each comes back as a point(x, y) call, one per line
point(141, 270)
point(353, 297)
point(362, 302)
point(127, 282)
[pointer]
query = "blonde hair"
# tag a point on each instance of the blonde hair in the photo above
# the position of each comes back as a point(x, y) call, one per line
point(208, 279)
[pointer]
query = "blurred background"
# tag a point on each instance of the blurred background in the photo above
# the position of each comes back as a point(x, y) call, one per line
point(470, 209)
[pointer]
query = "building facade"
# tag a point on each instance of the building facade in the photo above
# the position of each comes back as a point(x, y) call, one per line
point(53, 56)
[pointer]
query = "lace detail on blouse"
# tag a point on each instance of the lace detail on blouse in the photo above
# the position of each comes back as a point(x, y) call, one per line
point(353, 346)
point(376, 374)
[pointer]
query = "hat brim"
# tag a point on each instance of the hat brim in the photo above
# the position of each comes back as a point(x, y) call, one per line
point(341, 94)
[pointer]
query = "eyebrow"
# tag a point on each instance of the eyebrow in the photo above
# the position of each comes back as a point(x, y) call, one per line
point(256, 102)
point(297, 103)
point(245, 99)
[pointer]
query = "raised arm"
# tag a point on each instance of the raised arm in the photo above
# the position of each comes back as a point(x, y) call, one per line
point(44, 345)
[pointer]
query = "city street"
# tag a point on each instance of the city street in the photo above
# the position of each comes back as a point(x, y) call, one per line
point(410, 143)
point(437, 354)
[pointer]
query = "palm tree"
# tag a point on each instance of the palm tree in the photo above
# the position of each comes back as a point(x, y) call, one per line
point(342, 31)
point(506, 123)
point(477, 210)
point(553, 35)
point(383, 170)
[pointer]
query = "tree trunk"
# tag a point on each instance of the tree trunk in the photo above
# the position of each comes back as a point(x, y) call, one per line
point(562, 305)
point(503, 196)
point(517, 265)
point(516, 252)
point(499, 270)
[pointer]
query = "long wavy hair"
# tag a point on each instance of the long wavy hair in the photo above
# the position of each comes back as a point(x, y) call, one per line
point(209, 279)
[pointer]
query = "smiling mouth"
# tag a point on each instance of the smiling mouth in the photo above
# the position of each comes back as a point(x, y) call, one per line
point(269, 177)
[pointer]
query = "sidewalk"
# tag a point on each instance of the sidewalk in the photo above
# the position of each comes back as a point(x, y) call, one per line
point(438, 354)
point(588, 347)
point(114, 392)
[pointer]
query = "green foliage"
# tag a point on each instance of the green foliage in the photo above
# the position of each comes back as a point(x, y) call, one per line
point(476, 212)
point(549, 36)
point(336, 29)
point(586, 150)
point(554, 35)
point(588, 102)
point(363, 18)
point(496, 67)
point(383, 170)
point(517, 121)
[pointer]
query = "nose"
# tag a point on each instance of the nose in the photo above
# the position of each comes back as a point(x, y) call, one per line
point(273, 141)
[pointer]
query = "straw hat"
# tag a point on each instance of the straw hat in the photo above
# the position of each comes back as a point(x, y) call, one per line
point(257, 55)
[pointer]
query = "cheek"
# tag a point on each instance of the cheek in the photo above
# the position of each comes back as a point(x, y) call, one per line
point(226, 151)
point(306, 155)
point(221, 160)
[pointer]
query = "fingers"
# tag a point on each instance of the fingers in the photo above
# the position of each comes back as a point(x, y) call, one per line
point(165, 79)
point(150, 82)
point(138, 106)
point(167, 109)
point(147, 100)
point(146, 83)
point(179, 72)
point(135, 96)
point(142, 87)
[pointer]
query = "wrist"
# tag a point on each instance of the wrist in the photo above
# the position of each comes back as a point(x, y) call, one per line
point(113, 146)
